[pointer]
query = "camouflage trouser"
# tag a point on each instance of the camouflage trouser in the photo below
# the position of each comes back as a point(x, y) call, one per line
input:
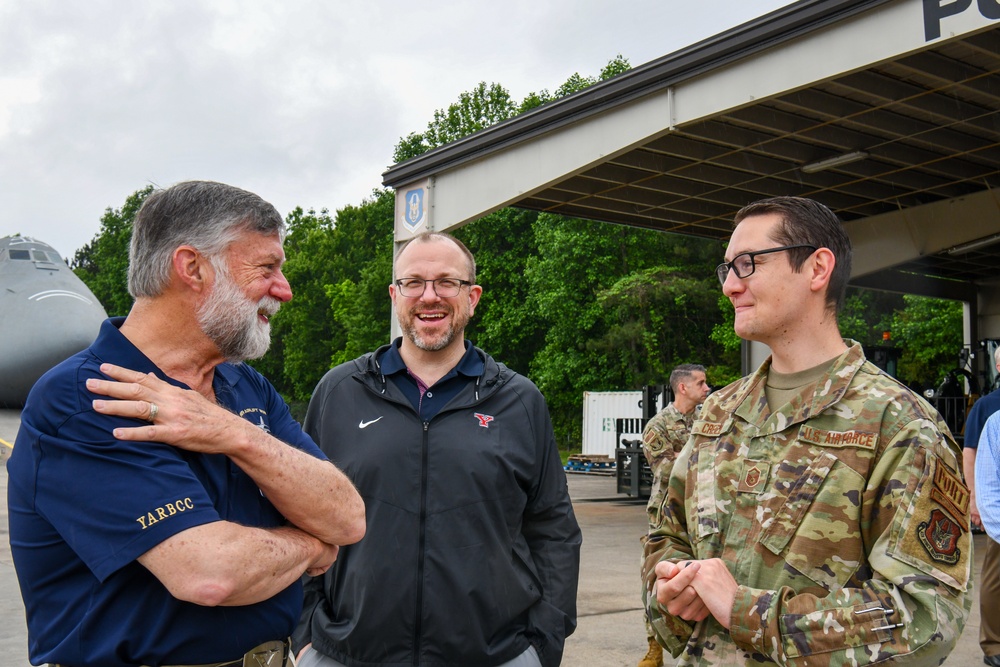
point(656, 494)
point(642, 558)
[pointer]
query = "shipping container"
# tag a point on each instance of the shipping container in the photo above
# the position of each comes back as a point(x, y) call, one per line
point(600, 409)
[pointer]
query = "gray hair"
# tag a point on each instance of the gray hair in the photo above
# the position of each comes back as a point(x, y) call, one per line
point(205, 215)
point(682, 373)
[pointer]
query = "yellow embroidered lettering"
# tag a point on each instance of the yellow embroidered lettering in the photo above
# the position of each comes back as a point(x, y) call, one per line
point(167, 511)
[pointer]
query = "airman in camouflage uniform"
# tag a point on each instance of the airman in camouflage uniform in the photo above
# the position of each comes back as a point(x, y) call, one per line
point(662, 439)
point(831, 528)
point(668, 430)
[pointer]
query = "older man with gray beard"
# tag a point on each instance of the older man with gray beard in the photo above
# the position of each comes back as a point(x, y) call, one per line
point(163, 503)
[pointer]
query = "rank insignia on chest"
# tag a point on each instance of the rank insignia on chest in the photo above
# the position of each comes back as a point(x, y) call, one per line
point(753, 479)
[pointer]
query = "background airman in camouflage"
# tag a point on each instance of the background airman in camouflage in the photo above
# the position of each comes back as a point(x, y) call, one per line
point(817, 515)
point(662, 439)
point(666, 433)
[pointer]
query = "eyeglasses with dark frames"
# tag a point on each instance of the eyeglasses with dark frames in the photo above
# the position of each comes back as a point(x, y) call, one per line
point(443, 287)
point(743, 265)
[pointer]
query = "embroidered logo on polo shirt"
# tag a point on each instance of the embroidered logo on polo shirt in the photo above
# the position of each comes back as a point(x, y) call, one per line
point(484, 420)
point(260, 423)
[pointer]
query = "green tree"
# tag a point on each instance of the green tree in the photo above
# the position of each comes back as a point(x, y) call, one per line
point(574, 83)
point(506, 321)
point(302, 333)
point(657, 318)
point(489, 104)
point(930, 334)
point(483, 106)
point(339, 270)
point(587, 279)
point(360, 298)
point(102, 264)
point(867, 314)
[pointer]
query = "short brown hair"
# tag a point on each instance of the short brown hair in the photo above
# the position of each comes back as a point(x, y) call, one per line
point(427, 237)
point(808, 222)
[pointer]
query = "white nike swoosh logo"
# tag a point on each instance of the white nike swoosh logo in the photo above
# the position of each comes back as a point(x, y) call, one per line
point(364, 424)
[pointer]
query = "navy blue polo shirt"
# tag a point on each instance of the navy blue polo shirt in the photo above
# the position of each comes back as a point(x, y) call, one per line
point(428, 404)
point(84, 506)
point(980, 412)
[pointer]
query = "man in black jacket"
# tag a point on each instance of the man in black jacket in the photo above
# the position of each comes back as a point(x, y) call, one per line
point(472, 550)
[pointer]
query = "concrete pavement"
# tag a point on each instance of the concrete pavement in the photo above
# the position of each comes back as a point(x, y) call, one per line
point(610, 631)
point(13, 634)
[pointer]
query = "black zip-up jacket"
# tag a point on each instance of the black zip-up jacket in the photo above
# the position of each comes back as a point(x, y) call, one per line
point(472, 549)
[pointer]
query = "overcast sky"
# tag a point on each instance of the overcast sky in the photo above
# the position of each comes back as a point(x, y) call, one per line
point(300, 101)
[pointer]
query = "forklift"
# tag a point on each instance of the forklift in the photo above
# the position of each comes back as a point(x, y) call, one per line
point(632, 472)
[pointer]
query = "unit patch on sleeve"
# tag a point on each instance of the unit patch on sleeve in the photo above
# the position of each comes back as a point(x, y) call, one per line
point(951, 493)
point(939, 535)
point(930, 529)
point(948, 518)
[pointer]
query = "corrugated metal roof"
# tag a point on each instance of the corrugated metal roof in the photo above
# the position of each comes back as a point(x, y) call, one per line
point(928, 121)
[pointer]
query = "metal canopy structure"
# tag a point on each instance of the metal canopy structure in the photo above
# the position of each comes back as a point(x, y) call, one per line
point(888, 111)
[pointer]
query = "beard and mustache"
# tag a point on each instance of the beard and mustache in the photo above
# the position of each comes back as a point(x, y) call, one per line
point(433, 342)
point(232, 321)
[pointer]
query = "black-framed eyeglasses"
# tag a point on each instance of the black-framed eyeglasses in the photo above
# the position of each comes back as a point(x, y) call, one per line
point(744, 265)
point(443, 287)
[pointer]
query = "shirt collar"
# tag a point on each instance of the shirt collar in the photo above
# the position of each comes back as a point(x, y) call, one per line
point(470, 365)
point(112, 345)
point(750, 402)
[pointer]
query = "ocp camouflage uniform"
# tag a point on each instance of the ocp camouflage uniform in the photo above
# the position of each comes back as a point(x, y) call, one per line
point(662, 440)
point(842, 516)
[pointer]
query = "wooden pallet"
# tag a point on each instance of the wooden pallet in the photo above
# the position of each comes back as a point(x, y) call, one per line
point(593, 463)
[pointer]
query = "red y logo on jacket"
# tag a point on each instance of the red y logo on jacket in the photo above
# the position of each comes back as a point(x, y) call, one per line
point(484, 420)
